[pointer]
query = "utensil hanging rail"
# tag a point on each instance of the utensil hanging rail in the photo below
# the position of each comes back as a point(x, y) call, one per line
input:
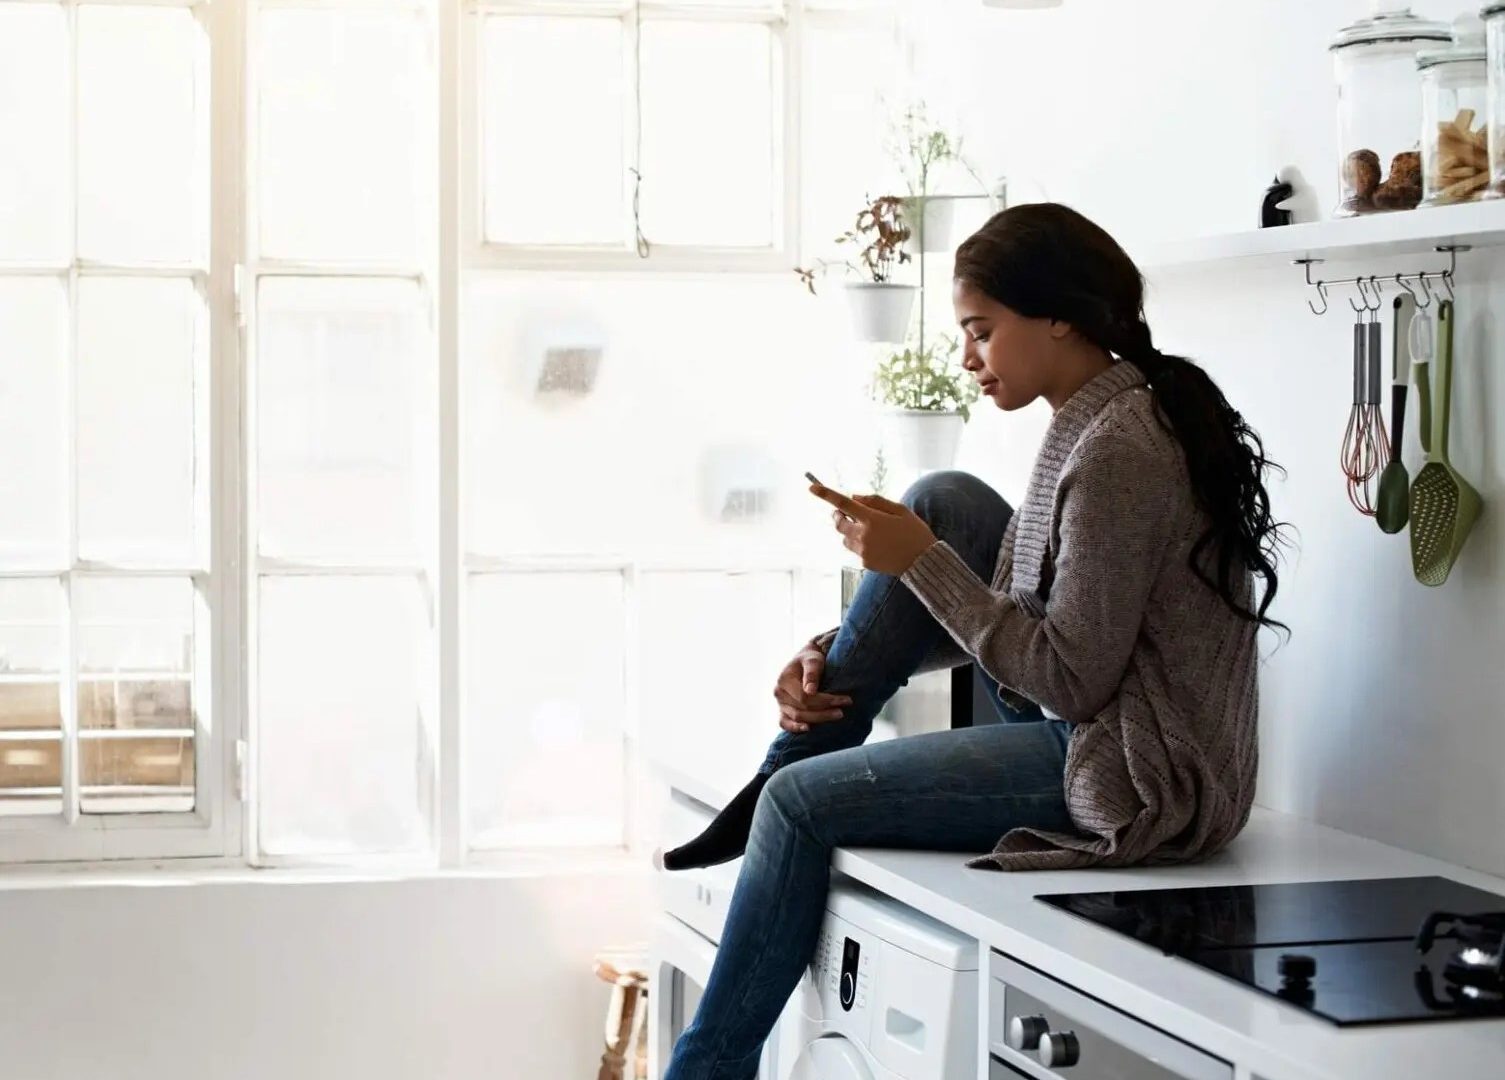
point(1375, 282)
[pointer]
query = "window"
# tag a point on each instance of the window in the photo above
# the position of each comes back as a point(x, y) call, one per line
point(633, 131)
point(110, 589)
point(342, 365)
point(348, 474)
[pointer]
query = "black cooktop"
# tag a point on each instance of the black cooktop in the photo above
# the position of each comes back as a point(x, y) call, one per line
point(1345, 950)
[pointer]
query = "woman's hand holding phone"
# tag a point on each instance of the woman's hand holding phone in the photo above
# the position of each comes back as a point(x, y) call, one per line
point(887, 536)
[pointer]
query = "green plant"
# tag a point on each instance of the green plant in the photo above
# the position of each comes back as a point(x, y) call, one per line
point(879, 234)
point(880, 472)
point(919, 146)
point(926, 378)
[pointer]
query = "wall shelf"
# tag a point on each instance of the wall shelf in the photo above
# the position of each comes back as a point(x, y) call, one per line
point(1411, 232)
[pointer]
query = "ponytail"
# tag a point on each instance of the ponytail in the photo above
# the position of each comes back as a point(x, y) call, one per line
point(1225, 459)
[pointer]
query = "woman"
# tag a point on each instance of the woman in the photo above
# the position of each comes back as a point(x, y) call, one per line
point(1116, 613)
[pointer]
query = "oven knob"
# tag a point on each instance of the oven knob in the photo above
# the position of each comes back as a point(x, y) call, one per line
point(1025, 1031)
point(1059, 1049)
point(1296, 967)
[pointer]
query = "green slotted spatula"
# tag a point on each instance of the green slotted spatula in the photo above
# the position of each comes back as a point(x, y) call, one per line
point(1443, 505)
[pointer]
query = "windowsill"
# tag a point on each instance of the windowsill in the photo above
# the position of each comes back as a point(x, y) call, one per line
point(487, 866)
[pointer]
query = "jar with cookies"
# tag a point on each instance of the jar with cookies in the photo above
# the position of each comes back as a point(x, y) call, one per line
point(1494, 24)
point(1455, 109)
point(1379, 107)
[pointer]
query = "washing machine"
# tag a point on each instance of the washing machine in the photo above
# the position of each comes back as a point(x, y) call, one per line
point(890, 994)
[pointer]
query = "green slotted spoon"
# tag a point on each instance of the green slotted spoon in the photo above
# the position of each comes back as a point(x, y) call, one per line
point(1443, 505)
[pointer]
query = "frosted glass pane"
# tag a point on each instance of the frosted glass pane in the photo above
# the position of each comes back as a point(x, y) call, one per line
point(345, 758)
point(545, 709)
point(685, 436)
point(31, 776)
point(135, 652)
point(845, 127)
point(709, 101)
point(344, 419)
point(711, 647)
point(31, 659)
point(34, 132)
point(142, 134)
point(33, 329)
point(139, 356)
point(341, 145)
point(135, 774)
point(553, 99)
point(31, 654)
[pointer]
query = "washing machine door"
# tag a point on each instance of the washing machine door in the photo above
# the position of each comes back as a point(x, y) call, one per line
point(832, 1058)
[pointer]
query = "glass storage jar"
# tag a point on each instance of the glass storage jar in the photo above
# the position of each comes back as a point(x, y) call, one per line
point(1494, 24)
point(1379, 108)
point(1455, 108)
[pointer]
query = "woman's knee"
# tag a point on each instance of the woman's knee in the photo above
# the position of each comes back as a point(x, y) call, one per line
point(781, 795)
point(947, 493)
point(789, 798)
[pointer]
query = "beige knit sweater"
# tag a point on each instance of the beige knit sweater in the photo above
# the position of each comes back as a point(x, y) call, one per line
point(1094, 613)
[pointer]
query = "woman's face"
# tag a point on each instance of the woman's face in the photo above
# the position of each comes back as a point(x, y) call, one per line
point(1009, 355)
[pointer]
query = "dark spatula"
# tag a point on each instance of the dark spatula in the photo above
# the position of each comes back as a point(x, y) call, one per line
point(1393, 508)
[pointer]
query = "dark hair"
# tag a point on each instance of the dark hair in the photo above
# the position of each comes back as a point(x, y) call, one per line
point(1046, 261)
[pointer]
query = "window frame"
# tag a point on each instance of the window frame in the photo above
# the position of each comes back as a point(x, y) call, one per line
point(221, 830)
point(782, 17)
point(213, 828)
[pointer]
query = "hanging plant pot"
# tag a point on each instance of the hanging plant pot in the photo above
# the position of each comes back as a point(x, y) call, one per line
point(922, 440)
point(881, 311)
point(929, 222)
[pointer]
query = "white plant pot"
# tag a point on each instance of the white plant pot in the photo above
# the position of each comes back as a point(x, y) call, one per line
point(921, 440)
point(880, 311)
point(931, 228)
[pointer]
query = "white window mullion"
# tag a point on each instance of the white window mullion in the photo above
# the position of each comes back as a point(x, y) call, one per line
point(632, 134)
point(221, 678)
point(789, 47)
point(68, 688)
point(68, 699)
point(451, 764)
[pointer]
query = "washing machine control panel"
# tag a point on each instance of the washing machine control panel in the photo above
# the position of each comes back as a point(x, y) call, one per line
point(844, 968)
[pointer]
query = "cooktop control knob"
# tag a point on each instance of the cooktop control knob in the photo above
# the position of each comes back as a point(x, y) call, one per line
point(1296, 967)
point(1059, 1049)
point(1025, 1031)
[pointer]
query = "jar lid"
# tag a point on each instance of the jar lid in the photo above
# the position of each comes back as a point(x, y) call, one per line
point(1391, 23)
point(1455, 55)
point(1468, 44)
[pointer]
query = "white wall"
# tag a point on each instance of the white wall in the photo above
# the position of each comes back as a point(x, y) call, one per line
point(453, 978)
point(1383, 714)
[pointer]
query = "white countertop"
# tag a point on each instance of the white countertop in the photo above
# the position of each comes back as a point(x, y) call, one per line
point(1275, 1040)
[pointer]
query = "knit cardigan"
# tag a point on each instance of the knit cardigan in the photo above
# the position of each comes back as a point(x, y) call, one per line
point(1095, 613)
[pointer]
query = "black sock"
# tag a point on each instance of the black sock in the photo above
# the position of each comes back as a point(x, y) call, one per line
point(725, 838)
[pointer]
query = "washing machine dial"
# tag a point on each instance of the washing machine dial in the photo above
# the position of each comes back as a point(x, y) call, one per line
point(851, 956)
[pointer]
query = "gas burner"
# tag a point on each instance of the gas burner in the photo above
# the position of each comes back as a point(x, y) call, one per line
point(1477, 967)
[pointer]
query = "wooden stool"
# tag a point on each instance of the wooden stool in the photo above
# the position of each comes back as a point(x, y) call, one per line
point(626, 1015)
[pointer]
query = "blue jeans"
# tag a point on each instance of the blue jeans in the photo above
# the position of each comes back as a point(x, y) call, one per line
point(947, 791)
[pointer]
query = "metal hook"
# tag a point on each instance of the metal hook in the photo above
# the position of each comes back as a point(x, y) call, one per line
point(1402, 283)
point(1322, 292)
point(1379, 294)
point(1364, 296)
point(1426, 289)
point(1447, 279)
